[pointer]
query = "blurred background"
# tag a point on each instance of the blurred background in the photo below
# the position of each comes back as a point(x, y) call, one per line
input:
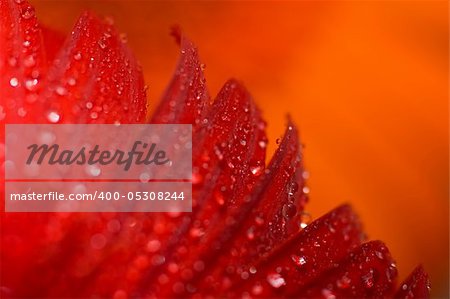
point(366, 82)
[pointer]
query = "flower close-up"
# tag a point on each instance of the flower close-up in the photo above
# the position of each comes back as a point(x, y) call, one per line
point(249, 234)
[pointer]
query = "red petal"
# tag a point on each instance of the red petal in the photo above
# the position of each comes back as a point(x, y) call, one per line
point(95, 79)
point(226, 150)
point(416, 285)
point(22, 62)
point(367, 272)
point(186, 100)
point(303, 258)
point(265, 220)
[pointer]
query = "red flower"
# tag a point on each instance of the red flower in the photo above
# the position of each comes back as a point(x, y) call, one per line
point(248, 234)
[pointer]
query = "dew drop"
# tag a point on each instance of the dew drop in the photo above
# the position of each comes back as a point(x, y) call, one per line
point(368, 279)
point(77, 56)
point(89, 105)
point(93, 170)
point(298, 260)
point(305, 174)
point(153, 246)
point(196, 232)
point(289, 210)
point(243, 142)
point(71, 81)
point(343, 282)
point(256, 170)
point(29, 61)
point(12, 61)
point(327, 294)
point(61, 91)
point(21, 112)
point(262, 144)
point(28, 12)
point(257, 289)
point(31, 84)
point(14, 82)
point(259, 220)
point(251, 233)
point(53, 117)
point(219, 198)
point(98, 241)
point(245, 275)
point(379, 255)
point(173, 268)
point(102, 44)
point(94, 115)
point(196, 178)
point(144, 177)
point(305, 219)
point(276, 280)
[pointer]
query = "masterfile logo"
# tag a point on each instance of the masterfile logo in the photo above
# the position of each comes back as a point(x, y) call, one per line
point(92, 168)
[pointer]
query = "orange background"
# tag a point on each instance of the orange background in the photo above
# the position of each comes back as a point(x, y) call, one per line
point(367, 83)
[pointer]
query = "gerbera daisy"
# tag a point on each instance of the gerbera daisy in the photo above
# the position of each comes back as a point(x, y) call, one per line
point(248, 234)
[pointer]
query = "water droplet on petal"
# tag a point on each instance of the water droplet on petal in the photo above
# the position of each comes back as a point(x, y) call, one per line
point(257, 170)
point(305, 219)
point(14, 82)
point(368, 279)
point(343, 282)
point(77, 56)
point(289, 210)
point(328, 294)
point(251, 233)
point(153, 246)
point(12, 61)
point(102, 44)
point(93, 170)
point(71, 81)
point(144, 177)
point(276, 280)
point(298, 260)
point(98, 241)
point(53, 116)
point(31, 84)
point(28, 12)
point(94, 115)
point(257, 289)
point(29, 61)
point(21, 112)
point(61, 91)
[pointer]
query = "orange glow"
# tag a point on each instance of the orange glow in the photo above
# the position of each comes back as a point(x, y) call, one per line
point(367, 83)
